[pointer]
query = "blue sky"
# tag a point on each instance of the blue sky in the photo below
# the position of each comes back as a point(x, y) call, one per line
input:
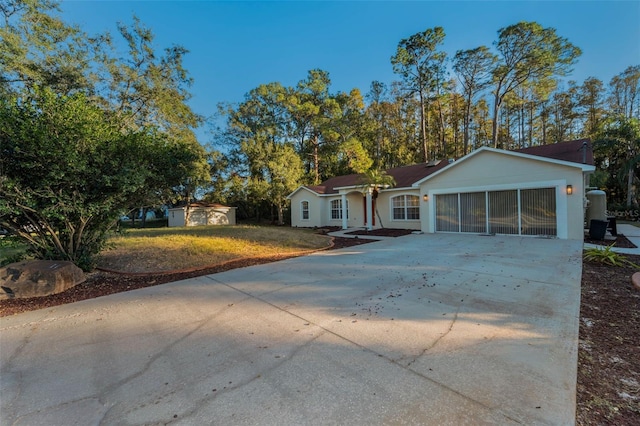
point(236, 46)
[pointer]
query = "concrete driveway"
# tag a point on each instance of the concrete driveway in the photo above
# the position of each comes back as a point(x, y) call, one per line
point(422, 329)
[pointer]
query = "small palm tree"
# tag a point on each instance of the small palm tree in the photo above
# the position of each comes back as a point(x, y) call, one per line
point(376, 179)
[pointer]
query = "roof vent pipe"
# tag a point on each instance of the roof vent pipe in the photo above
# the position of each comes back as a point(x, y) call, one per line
point(584, 152)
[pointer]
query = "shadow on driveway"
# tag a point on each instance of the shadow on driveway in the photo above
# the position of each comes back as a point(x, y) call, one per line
point(422, 329)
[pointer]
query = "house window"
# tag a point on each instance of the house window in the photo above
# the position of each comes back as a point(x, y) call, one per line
point(304, 208)
point(406, 207)
point(336, 209)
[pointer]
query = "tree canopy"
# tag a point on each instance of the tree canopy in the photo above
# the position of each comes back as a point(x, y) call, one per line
point(67, 171)
point(85, 133)
point(618, 155)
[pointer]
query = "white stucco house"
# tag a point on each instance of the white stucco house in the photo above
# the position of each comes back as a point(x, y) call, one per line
point(537, 191)
point(202, 214)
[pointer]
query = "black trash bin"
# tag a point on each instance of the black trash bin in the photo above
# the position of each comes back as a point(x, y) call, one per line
point(597, 229)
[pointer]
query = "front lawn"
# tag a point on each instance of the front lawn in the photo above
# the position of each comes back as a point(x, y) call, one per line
point(165, 249)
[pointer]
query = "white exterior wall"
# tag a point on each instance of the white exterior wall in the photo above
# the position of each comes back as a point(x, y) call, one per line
point(490, 171)
point(176, 217)
point(355, 217)
point(212, 216)
point(200, 216)
point(385, 208)
point(320, 209)
point(315, 208)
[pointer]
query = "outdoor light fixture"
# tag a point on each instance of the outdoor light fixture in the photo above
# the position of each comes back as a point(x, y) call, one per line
point(425, 197)
point(569, 189)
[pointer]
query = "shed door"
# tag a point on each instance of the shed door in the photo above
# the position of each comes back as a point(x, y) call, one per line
point(514, 212)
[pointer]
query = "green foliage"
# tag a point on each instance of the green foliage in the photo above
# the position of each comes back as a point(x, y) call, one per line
point(354, 157)
point(285, 171)
point(377, 179)
point(11, 250)
point(38, 49)
point(87, 132)
point(67, 170)
point(315, 113)
point(280, 135)
point(625, 92)
point(528, 55)
point(422, 67)
point(607, 256)
point(617, 153)
point(473, 68)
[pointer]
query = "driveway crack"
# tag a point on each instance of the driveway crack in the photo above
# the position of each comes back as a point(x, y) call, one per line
point(435, 342)
point(244, 383)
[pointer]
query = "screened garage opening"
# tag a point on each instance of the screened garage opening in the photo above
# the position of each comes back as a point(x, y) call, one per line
point(512, 212)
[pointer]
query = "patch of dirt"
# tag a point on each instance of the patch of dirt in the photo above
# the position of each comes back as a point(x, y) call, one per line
point(381, 232)
point(620, 241)
point(608, 386)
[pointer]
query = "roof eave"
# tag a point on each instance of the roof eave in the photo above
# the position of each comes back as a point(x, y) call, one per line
point(586, 168)
point(299, 188)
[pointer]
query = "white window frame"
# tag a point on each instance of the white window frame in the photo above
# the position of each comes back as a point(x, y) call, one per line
point(404, 208)
point(338, 201)
point(303, 210)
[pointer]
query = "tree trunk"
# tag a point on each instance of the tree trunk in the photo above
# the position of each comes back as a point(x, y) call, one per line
point(280, 214)
point(144, 217)
point(630, 189)
point(443, 141)
point(494, 125)
point(530, 138)
point(423, 128)
point(187, 214)
point(467, 120)
point(316, 159)
point(522, 119)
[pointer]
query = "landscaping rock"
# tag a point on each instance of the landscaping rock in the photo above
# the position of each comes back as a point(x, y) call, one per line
point(635, 279)
point(35, 278)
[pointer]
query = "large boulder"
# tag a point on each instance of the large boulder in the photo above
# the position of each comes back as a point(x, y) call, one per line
point(34, 278)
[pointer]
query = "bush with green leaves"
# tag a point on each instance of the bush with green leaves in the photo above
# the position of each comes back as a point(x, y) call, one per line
point(607, 256)
point(68, 169)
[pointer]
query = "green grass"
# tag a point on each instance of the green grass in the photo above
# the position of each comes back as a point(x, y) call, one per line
point(161, 249)
point(11, 250)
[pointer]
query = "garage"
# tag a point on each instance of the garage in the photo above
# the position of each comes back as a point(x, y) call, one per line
point(512, 212)
point(497, 192)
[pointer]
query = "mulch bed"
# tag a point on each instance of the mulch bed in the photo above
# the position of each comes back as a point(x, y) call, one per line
point(383, 232)
point(608, 387)
point(380, 232)
point(620, 241)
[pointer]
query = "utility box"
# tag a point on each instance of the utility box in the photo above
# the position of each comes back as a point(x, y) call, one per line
point(597, 209)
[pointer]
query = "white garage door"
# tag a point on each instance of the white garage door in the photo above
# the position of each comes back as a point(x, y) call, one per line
point(516, 211)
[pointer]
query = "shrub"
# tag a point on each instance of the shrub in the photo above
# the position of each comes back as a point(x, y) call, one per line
point(607, 256)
